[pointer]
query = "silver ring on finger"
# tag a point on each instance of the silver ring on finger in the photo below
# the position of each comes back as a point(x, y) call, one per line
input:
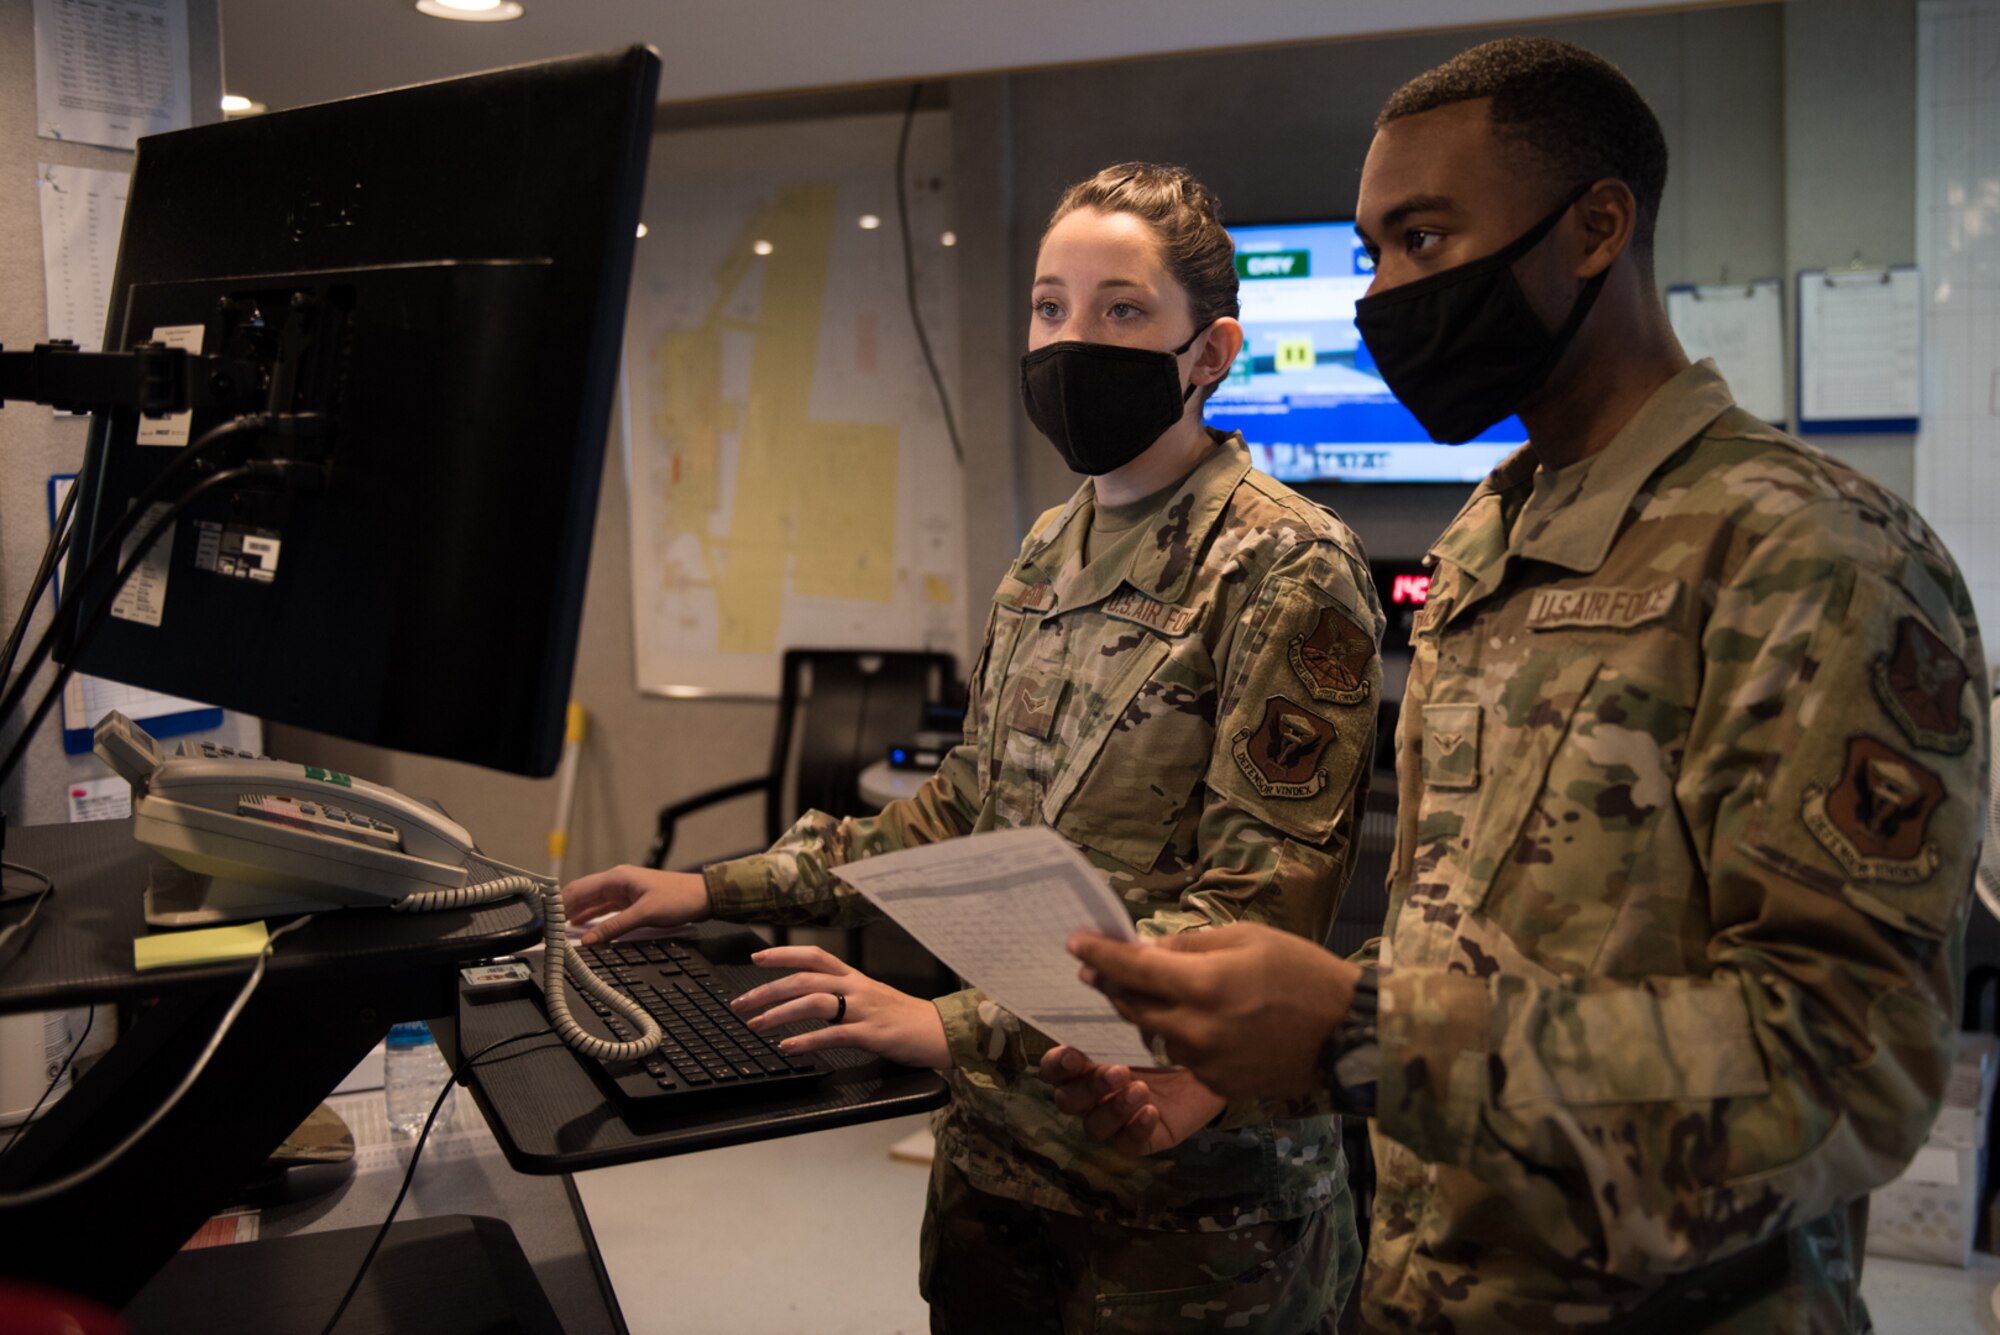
point(840, 1008)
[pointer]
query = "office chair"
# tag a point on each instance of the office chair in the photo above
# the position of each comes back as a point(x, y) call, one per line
point(838, 712)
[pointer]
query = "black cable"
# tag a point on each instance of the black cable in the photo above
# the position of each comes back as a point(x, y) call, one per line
point(410, 1173)
point(17, 689)
point(9, 932)
point(910, 271)
point(44, 574)
point(70, 1181)
point(90, 1018)
point(101, 612)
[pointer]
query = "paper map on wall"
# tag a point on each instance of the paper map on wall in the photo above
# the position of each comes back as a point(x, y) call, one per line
point(792, 484)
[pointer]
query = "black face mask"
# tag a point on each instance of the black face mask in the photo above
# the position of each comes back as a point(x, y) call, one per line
point(1101, 405)
point(1463, 348)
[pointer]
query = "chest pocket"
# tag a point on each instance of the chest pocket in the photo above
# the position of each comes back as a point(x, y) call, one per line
point(1569, 819)
point(1139, 753)
point(991, 676)
point(1487, 759)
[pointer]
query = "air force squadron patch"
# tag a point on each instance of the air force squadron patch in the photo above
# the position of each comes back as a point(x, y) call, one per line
point(1875, 819)
point(1920, 684)
point(1333, 659)
point(1281, 756)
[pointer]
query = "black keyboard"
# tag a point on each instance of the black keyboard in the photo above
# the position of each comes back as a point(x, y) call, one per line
point(709, 1053)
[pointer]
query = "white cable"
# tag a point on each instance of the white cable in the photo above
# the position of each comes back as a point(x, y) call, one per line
point(10, 1200)
point(557, 960)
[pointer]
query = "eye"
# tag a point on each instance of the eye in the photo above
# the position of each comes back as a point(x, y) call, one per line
point(1124, 310)
point(1418, 240)
point(1048, 309)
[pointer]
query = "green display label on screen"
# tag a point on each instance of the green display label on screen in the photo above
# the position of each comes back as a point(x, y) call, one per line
point(1275, 264)
point(328, 776)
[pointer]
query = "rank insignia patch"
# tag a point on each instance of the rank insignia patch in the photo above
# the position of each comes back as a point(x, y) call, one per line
point(1036, 701)
point(1875, 820)
point(1332, 661)
point(1281, 755)
point(1921, 684)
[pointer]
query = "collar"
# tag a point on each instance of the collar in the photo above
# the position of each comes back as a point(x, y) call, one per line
point(1574, 524)
point(1162, 565)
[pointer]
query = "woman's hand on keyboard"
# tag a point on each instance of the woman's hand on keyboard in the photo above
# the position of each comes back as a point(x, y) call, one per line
point(613, 902)
point(877, 1018)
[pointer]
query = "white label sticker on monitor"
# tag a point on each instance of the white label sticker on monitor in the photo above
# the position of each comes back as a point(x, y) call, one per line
point(172, 430)
point(144, 597)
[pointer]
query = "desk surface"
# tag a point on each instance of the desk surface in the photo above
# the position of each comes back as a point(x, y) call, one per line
point(79, 948)
point(329, 993)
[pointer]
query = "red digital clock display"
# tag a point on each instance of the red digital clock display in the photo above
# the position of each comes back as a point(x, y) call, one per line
point(1410, 590)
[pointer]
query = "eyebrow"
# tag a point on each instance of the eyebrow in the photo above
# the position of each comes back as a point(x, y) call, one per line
point(1050, 280)
point(1414, 204)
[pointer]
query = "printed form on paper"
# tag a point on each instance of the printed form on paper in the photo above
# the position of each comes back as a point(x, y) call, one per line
point(998, 908)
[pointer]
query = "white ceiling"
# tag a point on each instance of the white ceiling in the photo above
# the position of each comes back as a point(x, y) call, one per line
point(290, 52)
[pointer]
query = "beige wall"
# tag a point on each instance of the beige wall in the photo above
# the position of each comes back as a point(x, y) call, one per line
point(34, 443)
point(1782, 151)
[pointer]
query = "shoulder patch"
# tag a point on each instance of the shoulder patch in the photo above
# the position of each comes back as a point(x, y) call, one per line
point(1921, 685)
point(1332, 659)
point(1281, 756)
point(1875, 819)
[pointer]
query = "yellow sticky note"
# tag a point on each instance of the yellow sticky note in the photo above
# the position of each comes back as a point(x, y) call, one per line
point(206, 945)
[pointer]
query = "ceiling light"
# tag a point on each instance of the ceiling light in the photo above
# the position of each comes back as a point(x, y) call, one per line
point(642, 229)
point(761, 247)
point(948, 239)
point(869, 222)
point(472, 11)
point(235, 102)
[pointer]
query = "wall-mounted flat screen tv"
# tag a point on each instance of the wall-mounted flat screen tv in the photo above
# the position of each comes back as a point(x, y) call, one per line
point(1305, 393)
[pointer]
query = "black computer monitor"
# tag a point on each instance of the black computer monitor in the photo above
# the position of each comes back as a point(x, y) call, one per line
point(438, 274)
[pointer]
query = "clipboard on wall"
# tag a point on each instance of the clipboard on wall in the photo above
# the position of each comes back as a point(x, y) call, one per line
point(1860, 350)
point(86, 699)
point(1741, 327)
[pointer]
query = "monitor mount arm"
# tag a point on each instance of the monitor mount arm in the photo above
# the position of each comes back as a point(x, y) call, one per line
point(152, 379)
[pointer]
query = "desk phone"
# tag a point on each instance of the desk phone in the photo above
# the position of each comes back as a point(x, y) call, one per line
point(251, 837)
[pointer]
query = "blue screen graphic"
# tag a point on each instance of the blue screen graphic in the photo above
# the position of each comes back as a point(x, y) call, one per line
point(1304, 391)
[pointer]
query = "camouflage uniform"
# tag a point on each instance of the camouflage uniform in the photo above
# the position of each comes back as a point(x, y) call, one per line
point(1690, 769)
point(1195, 708)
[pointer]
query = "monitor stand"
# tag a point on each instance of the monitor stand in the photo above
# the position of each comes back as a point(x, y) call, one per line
point(177, 897)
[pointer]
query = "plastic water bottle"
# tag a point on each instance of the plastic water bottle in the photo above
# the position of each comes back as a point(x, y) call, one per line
point(413, 1070)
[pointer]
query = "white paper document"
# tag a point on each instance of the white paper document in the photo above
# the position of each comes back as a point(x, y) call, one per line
point(109, 71)
point(1742, 327)
point(1860, 346)
point(83, 210)
point(99, 799)
point(86, 699)
point(998, 908)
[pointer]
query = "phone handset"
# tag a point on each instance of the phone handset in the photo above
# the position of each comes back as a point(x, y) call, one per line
point(333, 840)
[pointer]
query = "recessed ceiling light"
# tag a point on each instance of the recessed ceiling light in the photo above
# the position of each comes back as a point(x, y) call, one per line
point(948, 239)
point(472, 11)
point(761, 247)
point(869, 222)
point(642, 229)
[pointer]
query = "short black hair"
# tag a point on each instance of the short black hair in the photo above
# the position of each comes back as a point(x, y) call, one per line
point(1573, 113)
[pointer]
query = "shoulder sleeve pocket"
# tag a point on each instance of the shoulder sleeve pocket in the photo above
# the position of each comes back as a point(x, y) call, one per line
point(1876, 772)
point(1298, 713)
